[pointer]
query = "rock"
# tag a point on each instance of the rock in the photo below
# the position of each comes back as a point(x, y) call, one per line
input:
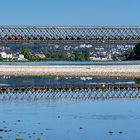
point(18, 139)
point(110, 132)
point(1, 130)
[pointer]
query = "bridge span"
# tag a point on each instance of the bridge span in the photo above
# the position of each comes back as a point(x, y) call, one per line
point(81, 34)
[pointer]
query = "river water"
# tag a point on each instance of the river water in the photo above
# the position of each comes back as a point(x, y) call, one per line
point(50, 81)
point(69, 118)
point(71, 63)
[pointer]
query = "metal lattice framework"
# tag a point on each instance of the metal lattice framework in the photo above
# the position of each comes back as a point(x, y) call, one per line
point(86, 34)
point(95, 93)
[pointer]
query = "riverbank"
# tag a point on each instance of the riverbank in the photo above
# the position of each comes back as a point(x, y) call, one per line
point(106, 71)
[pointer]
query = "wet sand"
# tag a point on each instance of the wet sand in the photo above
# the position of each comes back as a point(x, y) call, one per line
point(108, 71)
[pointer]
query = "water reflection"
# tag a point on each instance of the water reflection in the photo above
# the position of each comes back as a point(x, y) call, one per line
point(69, 108)
point(52, 81)
point(137, 81)
point(94, 92)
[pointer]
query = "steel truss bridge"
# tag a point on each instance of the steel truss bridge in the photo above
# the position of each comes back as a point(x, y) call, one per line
point(84, 34)
point(96, 92)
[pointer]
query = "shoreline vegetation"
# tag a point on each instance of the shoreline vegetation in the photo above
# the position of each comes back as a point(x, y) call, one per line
point(29, 55)
point(132, 71)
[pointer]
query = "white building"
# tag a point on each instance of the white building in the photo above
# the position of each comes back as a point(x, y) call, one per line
point(12, 56)
point(6, 56)
point(95, 58)
point(3, 54)
point(9, 56)
point(21, 57)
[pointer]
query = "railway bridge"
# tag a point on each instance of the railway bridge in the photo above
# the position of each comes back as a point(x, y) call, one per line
point(70, 34)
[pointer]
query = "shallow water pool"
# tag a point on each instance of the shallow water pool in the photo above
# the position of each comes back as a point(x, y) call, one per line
point(70, 120)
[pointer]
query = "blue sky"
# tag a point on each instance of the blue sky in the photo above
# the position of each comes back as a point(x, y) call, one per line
point(70, 12)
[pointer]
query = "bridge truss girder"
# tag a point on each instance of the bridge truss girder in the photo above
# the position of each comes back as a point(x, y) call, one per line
point(91, 34)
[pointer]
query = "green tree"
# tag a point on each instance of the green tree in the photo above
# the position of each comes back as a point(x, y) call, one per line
point(27, 54)
point(86, 54)
point(129, 54)
point(79, 56)
point(137, 51)
point(72, 57)
point(62, 55)
point(1, 57)
point(114, 57)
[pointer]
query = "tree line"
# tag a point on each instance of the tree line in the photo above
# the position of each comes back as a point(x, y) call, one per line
point(132, 53)
point(52, 55)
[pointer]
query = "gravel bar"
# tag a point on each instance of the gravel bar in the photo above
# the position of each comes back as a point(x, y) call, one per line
point(73, 70)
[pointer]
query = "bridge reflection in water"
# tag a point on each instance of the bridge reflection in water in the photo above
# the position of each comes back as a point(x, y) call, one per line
point(94, 92)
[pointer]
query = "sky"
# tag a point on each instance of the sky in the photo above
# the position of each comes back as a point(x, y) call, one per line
point(70, 12)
